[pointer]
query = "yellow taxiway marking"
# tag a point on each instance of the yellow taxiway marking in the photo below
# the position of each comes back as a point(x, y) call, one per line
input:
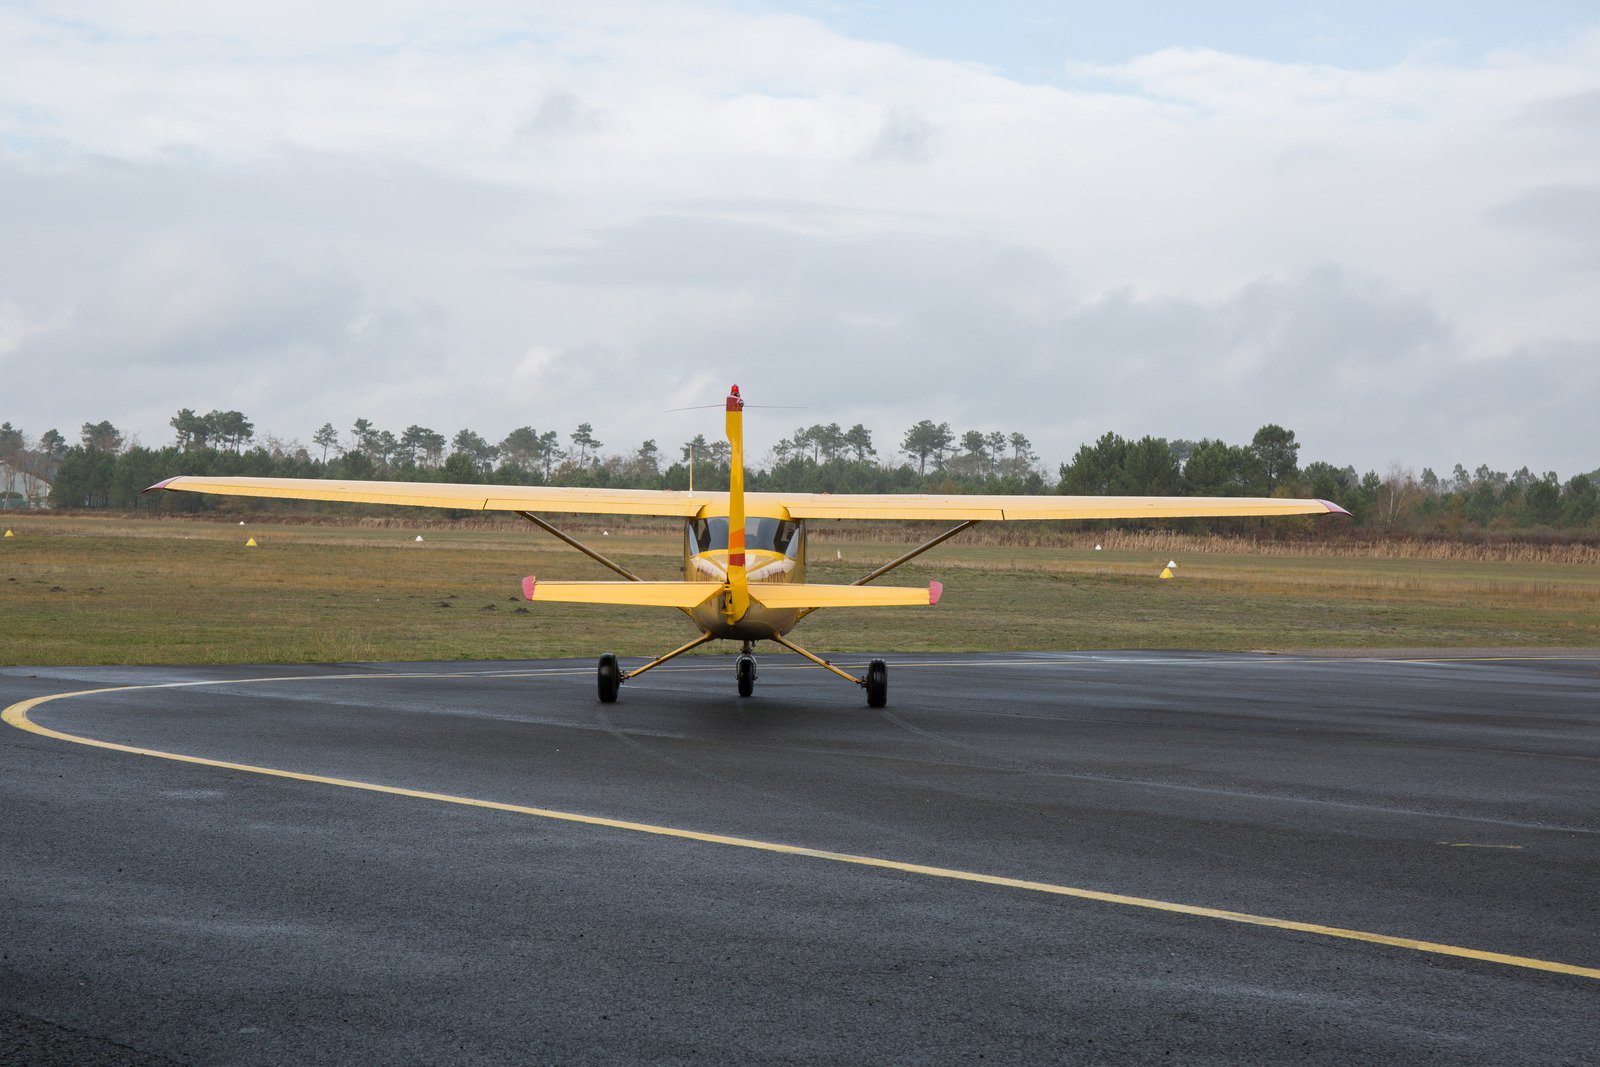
point(18, 715)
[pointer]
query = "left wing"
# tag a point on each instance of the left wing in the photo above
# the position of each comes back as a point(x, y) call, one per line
point(454, 495)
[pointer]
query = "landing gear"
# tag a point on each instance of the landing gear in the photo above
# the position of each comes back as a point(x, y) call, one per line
point(877, 682)
point(610, 678)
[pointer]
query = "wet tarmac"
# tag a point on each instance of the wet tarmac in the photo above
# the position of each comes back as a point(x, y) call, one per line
point(1084, 857)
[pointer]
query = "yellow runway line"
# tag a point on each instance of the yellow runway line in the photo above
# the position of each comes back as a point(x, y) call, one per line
point(17, 715)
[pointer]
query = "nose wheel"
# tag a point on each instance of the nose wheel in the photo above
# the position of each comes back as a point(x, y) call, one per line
point(745, 672)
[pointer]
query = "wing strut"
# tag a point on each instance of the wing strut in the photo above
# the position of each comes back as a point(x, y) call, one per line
point(581, 547)
point(913, 554)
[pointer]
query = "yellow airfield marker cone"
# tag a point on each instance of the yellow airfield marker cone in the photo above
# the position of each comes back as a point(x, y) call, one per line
point(251, 543)
point(10, 534)
point(1166, 572)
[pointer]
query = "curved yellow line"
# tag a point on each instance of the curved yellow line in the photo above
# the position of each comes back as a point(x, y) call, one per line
point(18, 715)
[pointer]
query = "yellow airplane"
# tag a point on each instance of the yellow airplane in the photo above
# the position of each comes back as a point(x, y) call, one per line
point(744, 556)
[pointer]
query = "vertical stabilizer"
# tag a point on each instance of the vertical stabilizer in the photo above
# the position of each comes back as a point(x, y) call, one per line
point(738, 582)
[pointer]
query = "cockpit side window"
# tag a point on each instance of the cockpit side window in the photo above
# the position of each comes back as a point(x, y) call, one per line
point(707, 535)
point(767, 535)
point(771, 535)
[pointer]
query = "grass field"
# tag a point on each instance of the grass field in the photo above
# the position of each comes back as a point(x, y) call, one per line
point(104, 590)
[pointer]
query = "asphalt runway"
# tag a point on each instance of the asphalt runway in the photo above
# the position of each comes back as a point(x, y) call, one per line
point(1088, 857)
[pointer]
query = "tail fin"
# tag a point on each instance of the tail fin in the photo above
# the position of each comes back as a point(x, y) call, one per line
point(738, 580)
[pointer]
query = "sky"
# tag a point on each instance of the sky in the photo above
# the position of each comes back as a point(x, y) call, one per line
point(1375, 224)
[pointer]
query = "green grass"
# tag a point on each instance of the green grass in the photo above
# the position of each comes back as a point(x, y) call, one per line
point(123, 591)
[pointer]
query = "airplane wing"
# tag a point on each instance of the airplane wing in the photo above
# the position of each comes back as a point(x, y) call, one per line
point(454, 495)
point(959, 508)
point(560, 499)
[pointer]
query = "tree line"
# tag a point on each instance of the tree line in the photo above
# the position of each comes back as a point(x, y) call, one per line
point(1398, 501)
point(104, 470)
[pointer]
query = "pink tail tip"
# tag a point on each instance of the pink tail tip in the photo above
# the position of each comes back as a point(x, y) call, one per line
point(935, 591)
point(527, 587)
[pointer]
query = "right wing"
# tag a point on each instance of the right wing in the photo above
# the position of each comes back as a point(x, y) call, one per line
point(961, 507)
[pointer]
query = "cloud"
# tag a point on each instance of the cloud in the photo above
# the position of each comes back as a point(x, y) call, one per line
point(906, 136)
point(1573, 112)
point(1568, 212)
point(560, 115)
point(182, 297)
point(483, 215)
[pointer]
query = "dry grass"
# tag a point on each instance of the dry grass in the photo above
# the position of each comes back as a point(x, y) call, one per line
point(117, 590)
point(1172, 543)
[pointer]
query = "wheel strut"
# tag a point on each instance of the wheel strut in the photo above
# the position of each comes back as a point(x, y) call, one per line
point(876, 683)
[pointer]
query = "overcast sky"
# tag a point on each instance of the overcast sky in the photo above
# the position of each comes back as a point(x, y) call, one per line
point(1376, 224)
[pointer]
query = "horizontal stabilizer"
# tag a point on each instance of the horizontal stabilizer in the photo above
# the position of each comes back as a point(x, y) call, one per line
point(654, 594)
point(784, 595)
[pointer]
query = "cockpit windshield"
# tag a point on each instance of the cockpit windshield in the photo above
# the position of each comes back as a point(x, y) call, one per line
point(766, 535)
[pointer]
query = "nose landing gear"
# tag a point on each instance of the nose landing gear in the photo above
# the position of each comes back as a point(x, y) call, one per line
point(745, 671)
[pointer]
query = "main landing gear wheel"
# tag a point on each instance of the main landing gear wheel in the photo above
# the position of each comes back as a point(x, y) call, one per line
point(745, 670)
point(610, 677)
point(877, 684)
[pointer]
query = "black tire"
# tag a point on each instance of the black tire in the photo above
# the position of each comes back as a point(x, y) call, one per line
point(745, 670)
point(877, 684)
point(610, 678)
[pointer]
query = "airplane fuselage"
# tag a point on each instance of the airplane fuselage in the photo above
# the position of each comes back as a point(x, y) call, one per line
point(774, 550)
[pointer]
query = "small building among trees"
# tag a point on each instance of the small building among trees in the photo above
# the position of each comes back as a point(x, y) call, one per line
point(21, 487)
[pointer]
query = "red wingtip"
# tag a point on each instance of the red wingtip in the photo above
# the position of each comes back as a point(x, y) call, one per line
point(160, 485)
point(1333, 508)
point(527, 587)
point(935, 591)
